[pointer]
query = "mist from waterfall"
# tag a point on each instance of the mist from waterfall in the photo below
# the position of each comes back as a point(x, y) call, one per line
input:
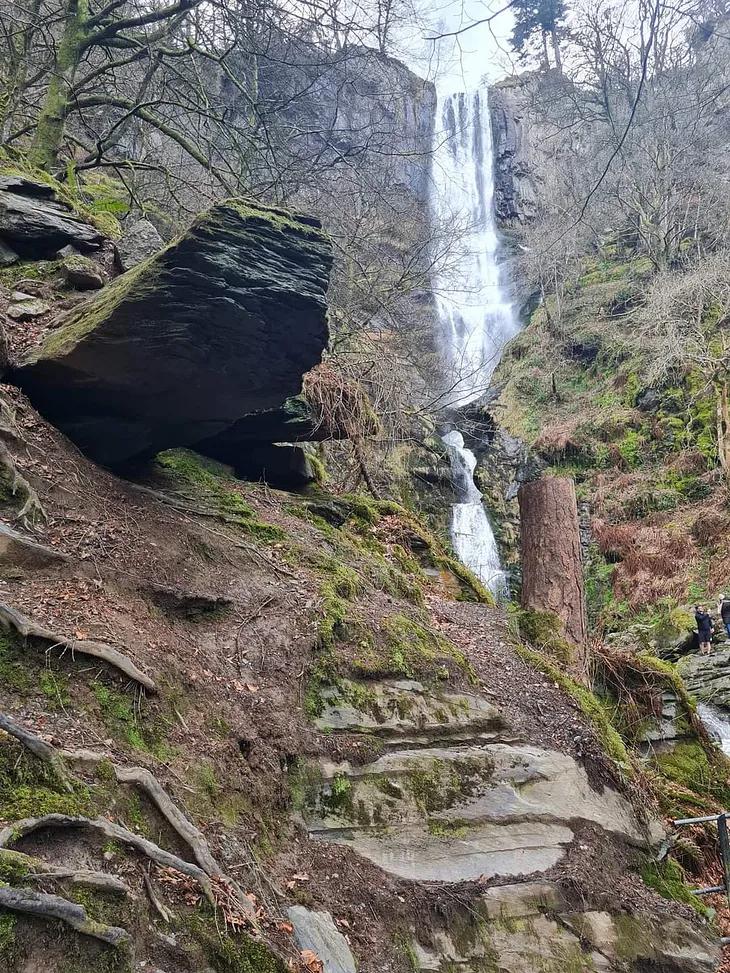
point(475, 317)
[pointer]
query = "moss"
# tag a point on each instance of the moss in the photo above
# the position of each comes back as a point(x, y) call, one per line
point(318, 468)
point(134, 727)
point(209, 784)
point(14, 866)
point(668, 878)
point(608, 735)
point(412, 650)
point(337, 799)
point(472, 588)
point(279, 219)
point(13, 673)
point(698, 769)
point(30, 788)
point(135, 285)
point(216, 485)
point(55, 688)
point(40, 270)
point(132, 814)
point(544, 630)
point(7, 934)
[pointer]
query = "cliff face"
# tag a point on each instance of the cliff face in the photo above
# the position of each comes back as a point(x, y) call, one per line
point(515, 149)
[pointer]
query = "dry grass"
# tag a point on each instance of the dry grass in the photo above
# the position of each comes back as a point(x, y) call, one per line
point(652, 561)
point(341, 407)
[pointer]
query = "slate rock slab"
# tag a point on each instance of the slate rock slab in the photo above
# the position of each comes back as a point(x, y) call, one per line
point(221, 323)
point(317, 931)
point(36, 226)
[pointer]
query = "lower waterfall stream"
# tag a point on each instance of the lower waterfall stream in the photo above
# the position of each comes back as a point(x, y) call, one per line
point(717, 724)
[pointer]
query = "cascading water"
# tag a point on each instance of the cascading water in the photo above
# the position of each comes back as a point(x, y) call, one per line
point(476, 320)
point(717, 723)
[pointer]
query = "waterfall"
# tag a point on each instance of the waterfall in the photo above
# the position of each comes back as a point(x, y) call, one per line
point(475, 317)
point(717, 724)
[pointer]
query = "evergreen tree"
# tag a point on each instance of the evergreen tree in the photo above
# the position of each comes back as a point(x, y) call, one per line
point(539, 20)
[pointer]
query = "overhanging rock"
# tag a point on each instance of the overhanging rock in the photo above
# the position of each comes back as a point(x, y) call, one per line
point(221, 323)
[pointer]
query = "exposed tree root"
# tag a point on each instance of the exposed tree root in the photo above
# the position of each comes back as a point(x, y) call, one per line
point(19, 829)
point(22, 552)
point(186, 829)
point(158, 906)
point(207, 869)
point(100, 881)
point(55, 907)
point(38, 747)
point(10, 618)
point(32, 509)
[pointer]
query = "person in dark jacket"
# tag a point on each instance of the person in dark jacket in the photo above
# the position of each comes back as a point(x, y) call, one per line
point(723, 608)
point(704, 629)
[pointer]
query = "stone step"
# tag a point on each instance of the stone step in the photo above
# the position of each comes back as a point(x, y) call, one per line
point(456, 813)
point(407, 714)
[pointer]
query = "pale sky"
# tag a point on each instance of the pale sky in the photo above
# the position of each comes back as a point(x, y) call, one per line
point(460, 63)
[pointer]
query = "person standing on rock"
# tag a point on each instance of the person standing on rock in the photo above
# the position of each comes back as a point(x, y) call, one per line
point(723, 609)
point(704, 629)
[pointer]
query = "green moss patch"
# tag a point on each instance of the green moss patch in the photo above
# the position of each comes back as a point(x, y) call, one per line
point(668, 878)
point(30, 788)
point(217, 488)
point(412, 650)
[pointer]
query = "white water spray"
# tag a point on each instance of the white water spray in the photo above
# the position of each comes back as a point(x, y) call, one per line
point(717, 724)
point(476, 320)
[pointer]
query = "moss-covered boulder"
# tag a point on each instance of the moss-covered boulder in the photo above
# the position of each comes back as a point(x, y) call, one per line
point(221, 323)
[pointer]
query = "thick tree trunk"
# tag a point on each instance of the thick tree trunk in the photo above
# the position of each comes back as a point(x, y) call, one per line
point(552, 568)
point(52, 118)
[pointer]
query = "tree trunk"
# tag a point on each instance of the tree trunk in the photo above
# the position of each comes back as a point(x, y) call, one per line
point(545, 54)
point(723, 427)
point(552, 568)
point(52, 118)
point(556, 50)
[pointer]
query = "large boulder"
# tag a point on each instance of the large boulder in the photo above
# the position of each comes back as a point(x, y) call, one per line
point(452, 797)
point(221, 323)
point(707, 678)
point(35, 224)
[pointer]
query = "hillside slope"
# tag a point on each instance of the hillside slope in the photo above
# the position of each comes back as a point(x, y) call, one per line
point(324, 711)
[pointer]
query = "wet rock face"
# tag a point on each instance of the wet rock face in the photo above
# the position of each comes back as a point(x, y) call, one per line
point(707, 678)
point(221, 323)
point(515, 197)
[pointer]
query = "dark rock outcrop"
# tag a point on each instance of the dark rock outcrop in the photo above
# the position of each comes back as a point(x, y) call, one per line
point(282, 466)
point(35, 224)
point(221, 323)
point(292, 422)
point(515, 198)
